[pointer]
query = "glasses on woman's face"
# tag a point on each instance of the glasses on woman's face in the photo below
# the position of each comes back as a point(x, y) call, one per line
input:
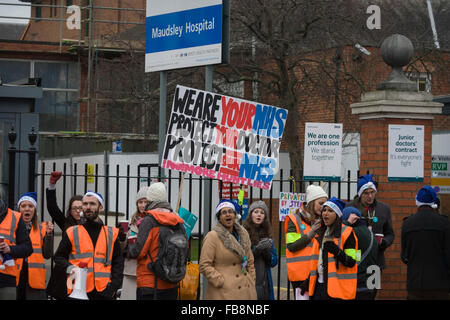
point(224, 211)
point(77, 208)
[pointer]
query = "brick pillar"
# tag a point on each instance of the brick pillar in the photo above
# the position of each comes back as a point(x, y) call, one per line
point(396, 101)
point(399, 196)
point(376, 111)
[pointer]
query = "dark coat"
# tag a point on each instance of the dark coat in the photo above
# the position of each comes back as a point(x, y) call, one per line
point(383, 225)
point(365, 237)
point(425, 248)
point(264, 261)
point(58, 216)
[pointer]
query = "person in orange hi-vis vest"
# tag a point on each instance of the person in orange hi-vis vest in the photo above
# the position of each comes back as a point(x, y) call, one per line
point(333, 268)
point(96, 246)
point(300, 229)
point(31, 274)
point(14, 240)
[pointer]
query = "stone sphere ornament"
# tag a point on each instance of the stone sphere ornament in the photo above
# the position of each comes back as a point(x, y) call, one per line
point(397, 51)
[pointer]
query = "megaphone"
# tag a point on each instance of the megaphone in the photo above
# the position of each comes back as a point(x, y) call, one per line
point(78, 276)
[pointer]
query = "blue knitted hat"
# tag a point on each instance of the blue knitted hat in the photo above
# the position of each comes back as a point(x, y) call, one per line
point(348, 211)
point(426, 196)
point(336, 204)
point(365, 182)
point(28, 196)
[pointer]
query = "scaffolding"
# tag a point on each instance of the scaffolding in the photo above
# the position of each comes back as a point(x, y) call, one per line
point(49, 18)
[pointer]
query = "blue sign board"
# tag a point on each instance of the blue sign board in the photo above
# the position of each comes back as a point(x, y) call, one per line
point(183, 35)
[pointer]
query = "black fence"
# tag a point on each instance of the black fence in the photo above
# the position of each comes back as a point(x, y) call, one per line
point(119, 188)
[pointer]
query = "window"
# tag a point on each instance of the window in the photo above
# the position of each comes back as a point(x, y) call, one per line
point(88, 18)
point(59, 107)
point(38, 11)
point(422, 79)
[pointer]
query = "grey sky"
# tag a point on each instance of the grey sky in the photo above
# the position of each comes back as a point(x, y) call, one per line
point(17, 10)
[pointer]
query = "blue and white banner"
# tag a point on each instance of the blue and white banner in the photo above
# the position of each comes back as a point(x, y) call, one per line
point(181, 34)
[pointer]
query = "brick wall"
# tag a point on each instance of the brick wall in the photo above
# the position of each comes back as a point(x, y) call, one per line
point(55, 31)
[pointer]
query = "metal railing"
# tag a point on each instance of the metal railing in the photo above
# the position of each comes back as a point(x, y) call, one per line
point(120, 188)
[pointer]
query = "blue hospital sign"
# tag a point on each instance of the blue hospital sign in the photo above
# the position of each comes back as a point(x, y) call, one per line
point(182, 33)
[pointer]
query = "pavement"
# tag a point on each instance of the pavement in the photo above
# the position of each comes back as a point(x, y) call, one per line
point(280, 286)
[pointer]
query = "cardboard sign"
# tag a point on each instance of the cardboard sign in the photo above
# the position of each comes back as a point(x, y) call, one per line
point(289, 203)
point(189, 219)
point(406, 153)
point(224, 138)
point(322, 151)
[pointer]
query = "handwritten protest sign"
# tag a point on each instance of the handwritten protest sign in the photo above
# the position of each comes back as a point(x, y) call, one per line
point(289, 203)
point(225, 138)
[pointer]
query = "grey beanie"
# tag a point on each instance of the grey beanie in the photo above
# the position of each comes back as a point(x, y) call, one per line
point(142, 193)
point(258, 204)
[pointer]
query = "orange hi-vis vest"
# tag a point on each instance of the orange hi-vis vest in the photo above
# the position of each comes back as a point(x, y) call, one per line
point(36, 262)
point(298, 263)
point(8, 229)
point(98, 259)
point(341, 282)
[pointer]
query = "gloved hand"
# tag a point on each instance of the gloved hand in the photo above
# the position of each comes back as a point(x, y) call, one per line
point(316, 225)
point(314, 228)
point(331, 247)
point(263, 244)
point(54, 176)
point(383, 245)
point(304, 287)
point(122, 235)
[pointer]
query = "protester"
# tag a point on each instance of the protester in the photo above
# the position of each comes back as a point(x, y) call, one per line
point(31, 270)
point(74, 210)
point(147, 249)
point(333, 274)
point(264, 252)
point(377, 213)
point(300, 228)
point(226, 258)
point(425, 249)
point(96, 245)
point(17, 244)
point(129, 271)
point(367, 251)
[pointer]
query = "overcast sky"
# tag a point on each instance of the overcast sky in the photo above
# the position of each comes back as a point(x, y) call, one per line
point(14, 11)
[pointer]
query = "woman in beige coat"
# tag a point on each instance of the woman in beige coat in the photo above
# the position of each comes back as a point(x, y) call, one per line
point(226, 259)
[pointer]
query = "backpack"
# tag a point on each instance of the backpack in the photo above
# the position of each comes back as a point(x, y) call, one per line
point(170, 264)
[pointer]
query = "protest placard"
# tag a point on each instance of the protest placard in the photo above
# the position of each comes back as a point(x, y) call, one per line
point(289, 203)
point(225, 138)
point(406, 153)
point(322, 151)
point(189, 219)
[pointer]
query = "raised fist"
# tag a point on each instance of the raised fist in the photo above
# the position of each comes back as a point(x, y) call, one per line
point(54, 176)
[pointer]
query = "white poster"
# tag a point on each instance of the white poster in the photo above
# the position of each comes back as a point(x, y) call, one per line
point(323, 151)
point(406, 155)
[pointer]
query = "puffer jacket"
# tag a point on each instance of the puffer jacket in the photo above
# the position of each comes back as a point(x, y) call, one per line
point(147, 243)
